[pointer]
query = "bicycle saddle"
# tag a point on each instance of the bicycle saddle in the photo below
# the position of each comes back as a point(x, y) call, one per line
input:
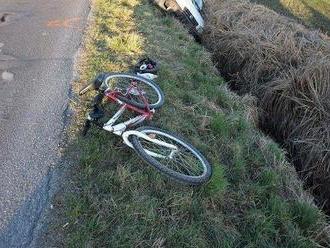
point(146, 65)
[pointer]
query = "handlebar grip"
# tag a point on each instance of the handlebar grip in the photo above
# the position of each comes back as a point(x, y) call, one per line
point(85, 89)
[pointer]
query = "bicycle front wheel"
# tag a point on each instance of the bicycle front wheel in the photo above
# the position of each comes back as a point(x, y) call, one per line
point(184, 163)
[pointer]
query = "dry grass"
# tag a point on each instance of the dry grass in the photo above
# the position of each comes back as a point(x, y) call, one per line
point(287, 68)
point(313, 13)
point(252, 44)
point(297, 106)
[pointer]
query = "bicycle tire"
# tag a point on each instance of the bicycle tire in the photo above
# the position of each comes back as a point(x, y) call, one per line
point(178, 176)
point(154, 105)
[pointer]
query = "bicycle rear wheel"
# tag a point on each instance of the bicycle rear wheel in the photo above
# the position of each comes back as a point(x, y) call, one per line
point(134, 89)
point(184, 164)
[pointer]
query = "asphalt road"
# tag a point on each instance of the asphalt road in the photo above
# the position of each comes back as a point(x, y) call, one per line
point(38, 43)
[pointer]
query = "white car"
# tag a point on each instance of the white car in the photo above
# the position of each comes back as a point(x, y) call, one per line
point(189, 11)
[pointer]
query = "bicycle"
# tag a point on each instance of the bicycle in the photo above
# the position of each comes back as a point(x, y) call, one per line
point(166, 151)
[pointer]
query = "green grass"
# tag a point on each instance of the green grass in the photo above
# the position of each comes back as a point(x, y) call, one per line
point(313, 13)
point(254, 198)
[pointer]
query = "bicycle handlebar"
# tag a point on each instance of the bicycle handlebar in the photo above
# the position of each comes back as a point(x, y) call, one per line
point(96, 84)
point(85, 89)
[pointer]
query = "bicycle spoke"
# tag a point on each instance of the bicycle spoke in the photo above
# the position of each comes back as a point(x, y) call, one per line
point(183, 161)
point(124, 84)
point(183, 169)
point(190, 164)
point(152, 149)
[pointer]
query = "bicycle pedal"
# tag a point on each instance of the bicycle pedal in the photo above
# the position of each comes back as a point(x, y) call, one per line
point(86, 127)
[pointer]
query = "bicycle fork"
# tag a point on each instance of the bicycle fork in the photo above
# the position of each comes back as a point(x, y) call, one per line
point(174, 149)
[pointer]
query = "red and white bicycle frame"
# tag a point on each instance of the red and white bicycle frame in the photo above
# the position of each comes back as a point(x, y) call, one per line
point(143, 114)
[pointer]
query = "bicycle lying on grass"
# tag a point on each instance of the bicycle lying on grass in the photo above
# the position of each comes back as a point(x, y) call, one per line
point(164, 150)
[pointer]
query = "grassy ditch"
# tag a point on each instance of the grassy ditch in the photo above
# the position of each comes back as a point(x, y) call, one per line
point(287, 67)
point(313, 13)
point(254, 198)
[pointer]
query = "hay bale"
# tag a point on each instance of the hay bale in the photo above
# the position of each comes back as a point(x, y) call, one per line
point(251, 44)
